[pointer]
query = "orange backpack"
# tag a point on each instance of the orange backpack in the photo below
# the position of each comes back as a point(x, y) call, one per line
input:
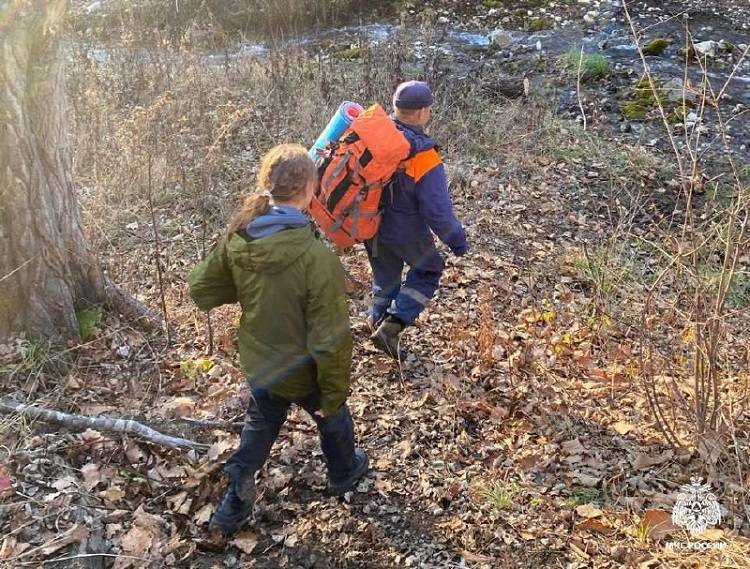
point(352, 174)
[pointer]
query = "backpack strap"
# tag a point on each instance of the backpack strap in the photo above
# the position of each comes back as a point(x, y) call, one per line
point(339, 168)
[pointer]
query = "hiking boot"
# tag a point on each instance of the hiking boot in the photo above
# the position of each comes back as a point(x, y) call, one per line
point(386, 337)
point(361, 464)
point(235, 507)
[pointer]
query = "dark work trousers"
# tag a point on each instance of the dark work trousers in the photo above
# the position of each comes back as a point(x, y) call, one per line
point(403, 299)
point(267, 412)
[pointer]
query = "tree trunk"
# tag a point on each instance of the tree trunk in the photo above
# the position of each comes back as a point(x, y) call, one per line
point(47, 269)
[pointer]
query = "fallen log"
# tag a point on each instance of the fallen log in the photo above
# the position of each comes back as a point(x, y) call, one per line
point(105, 424)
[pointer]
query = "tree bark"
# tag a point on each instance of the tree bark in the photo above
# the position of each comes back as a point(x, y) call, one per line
point(47, 269)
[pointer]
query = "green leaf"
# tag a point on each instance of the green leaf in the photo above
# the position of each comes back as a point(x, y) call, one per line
point(88, 320)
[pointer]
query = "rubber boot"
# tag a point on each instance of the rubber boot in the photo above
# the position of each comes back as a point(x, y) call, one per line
point(386, 337)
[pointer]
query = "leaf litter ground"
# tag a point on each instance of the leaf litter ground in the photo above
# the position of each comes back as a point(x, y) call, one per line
point(514, 434)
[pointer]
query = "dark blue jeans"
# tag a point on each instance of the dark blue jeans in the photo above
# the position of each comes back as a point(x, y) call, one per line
point(267, 412)
point(403, 299)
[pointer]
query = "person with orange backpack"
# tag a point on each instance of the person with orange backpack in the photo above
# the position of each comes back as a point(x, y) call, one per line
point(415, 204)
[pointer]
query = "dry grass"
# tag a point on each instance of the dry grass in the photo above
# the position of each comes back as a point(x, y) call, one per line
point(217, 20)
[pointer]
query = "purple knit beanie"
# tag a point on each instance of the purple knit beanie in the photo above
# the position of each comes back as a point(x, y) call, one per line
point(413, 95)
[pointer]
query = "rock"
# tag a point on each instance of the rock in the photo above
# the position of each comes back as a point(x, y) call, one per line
point(500, 38)
point(443, 20)
point(707, 48)
point(625, 127)
point(655, 46)
point(674, 90)
point(590, 17)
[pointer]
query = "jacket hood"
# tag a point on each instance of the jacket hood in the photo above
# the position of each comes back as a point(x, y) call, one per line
point(278, 218)
point(418, 140)
point(270, 254)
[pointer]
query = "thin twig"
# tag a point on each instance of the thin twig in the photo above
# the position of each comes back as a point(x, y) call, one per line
point(14, 271)
point(88, 555)
point(578, 89)
point(157, 253)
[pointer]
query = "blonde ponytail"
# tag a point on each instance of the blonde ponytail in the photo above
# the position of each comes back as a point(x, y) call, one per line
point(253, 206)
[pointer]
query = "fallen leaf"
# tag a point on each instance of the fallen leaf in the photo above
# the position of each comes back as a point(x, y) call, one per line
point(405, 449)
point(144, 519)
point(573, 447)
point(73, 535)
point(134, 453)
point(279, 478)
point(221, 446)
point(588, 511)
point(11, 547)
point(91, 476)
point(180, 406)
point(180, 503)
point(113, 494)
point(587, 480)
point(383, 486)
point(658, 523)
point(579, 548)
point(5, 481)
point(595, 525)
point(137, 541)
point(203, 515)
point(622, 427)
point(644, 460)
point(473, 557)
point(63, 483)
point(245, 541)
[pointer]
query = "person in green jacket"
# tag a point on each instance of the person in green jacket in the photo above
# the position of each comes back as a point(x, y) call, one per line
point(295, 341)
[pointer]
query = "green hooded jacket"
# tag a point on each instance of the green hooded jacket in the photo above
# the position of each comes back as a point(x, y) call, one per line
point(294, 334)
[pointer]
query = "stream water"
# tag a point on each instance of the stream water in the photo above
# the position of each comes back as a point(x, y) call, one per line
point(538, 54)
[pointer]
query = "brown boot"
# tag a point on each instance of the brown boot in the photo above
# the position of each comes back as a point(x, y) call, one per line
point(386, 337)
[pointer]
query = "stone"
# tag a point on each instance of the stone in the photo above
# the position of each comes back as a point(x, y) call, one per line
point(674, 87)
point(707, 48)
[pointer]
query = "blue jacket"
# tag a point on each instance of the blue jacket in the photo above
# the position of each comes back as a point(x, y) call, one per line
point(417, 199)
